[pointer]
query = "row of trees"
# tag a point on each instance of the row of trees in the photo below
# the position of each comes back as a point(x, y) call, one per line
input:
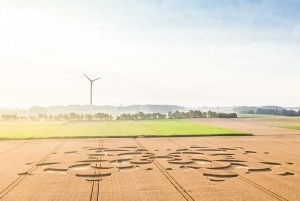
point(199, 114)
point(142, 116)
point(192, 114)
point(138, 116)
point(175, 115)
point(60, 117)
point(282, 112)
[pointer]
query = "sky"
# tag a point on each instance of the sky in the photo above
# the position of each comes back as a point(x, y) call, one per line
point(184, 52)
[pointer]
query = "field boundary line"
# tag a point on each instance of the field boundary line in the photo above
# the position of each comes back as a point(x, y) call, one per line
point(179, 188)
point(22, 177)
point(134, 136)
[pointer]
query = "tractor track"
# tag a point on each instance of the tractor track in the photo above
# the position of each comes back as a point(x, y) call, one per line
point(11, 186)
point(259, 187)
point(95, 191)
point(177, 186)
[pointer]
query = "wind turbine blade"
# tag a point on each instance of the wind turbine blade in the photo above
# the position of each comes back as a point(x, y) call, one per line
point(96, 79)
point(87, 77)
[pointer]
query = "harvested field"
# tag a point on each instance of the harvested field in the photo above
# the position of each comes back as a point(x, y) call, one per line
point(278, 121)
point(257, 126)
point(191, 168)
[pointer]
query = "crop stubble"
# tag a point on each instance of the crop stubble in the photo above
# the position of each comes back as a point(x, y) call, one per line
point(206, 168)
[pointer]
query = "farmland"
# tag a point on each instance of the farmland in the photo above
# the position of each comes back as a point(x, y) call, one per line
point(150, 100)
point(23, 130)
point(258, 167)
point(257, 126)
point(293, 127)
point(191, 168)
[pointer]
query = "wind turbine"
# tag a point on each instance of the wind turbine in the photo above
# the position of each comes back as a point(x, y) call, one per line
point(91, 93)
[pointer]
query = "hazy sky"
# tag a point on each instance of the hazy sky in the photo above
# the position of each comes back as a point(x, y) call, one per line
point(190, 53)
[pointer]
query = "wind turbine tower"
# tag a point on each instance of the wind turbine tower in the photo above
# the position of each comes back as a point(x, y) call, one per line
point(91, 92)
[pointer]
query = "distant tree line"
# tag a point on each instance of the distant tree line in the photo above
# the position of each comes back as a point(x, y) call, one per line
point(60, 117)
point(227, 115)
point(176, 115)
point(199, 114)
point(141, 116)
point(282, 112)
point(9, 117)
point(104, 117)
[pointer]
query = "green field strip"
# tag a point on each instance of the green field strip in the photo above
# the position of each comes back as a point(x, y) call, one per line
point(147, 128)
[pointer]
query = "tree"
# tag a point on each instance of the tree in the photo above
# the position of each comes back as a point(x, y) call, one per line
point(9, 117)
point(224, 115)
point(89, 117)
point(66, 117)
point(284, 112)
point(142, 115)
point(102, 116)
point(42, 117)
point(32, 118)
point(292, 113)
point(148, 116)
point(72, 116)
